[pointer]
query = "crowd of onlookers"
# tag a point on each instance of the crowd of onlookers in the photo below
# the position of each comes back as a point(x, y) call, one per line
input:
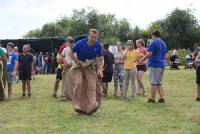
point(15, 66)
point(87, 66)
point(45, 62)
point(126, 63)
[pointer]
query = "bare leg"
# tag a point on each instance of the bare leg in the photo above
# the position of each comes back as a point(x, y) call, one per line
point(153, 91)
point(56, 85)
point(9, 89)
point(24, 87)
point(28, 82)
point(105, 88)
point(140, 76)
point(160, 91)
point(138, 83)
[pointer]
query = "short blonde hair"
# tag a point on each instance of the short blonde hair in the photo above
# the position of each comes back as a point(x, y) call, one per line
point(93, 31)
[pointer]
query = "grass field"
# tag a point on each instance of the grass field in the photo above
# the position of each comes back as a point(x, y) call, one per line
point(42, 114)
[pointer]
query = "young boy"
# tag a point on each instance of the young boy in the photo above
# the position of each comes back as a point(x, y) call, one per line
point(108, 68)
point(26, 69)
point(197, 61)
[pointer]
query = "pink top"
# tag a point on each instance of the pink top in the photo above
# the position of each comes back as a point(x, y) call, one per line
point(143, 51)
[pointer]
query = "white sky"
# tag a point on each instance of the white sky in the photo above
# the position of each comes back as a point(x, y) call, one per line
point(17, 17)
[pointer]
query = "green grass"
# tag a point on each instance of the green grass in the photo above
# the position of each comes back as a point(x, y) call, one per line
point(42, 114)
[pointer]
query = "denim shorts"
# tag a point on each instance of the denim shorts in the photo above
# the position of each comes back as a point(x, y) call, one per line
point(156, 76)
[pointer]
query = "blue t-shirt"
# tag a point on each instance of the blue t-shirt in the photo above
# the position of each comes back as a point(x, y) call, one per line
point(11, 61)
point(84, 52)
point(158, 49)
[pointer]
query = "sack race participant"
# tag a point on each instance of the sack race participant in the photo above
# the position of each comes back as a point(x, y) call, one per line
point(86, 87)
point(67, 64)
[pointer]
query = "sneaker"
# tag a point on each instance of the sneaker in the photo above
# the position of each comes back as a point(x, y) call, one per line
point(63, 99)
point(161, 100)
point(145, 93)
point(29, 94)
point(197, 99)
point(151, 101)
point(54, 95)
point(114, 95)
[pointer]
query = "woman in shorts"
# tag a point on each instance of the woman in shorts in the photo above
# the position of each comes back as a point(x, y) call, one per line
point(141, 67)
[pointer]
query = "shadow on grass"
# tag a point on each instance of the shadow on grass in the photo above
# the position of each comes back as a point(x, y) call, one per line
point(22, 98)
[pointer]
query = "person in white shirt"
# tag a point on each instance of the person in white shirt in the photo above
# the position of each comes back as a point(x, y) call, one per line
point(68, 62)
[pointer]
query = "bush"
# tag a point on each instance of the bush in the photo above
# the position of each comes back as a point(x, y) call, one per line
point(182, 54)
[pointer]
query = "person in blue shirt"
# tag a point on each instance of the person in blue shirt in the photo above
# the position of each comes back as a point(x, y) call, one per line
point(86, 90)
point(156, 54)
point(11, 67)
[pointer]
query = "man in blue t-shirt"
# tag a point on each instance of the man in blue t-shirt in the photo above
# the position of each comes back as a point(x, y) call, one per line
point(156, 54)
point(86, 90)
point(11, 67)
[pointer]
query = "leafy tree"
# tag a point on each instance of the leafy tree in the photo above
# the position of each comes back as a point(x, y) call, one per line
point(179, 29)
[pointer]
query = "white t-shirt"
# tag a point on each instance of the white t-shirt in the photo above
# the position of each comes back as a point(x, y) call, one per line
point(65, 54)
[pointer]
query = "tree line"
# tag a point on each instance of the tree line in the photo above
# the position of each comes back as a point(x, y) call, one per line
point(180, 28)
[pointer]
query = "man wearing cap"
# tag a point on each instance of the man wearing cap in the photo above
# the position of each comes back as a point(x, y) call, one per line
point(86, 87)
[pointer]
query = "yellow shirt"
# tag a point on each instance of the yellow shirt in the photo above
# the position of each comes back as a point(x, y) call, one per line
point(130, 58)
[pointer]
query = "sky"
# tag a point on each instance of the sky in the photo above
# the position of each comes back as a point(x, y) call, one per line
point(17, 17)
